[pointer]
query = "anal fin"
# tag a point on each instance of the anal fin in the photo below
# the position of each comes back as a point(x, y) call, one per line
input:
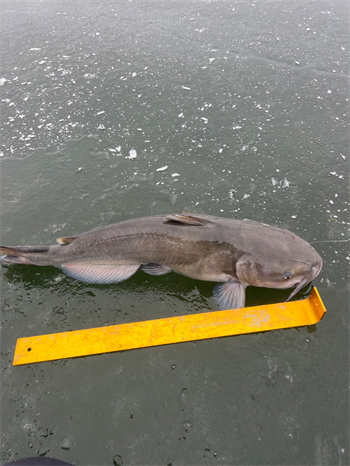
point(99, 273)
point(156, 269)
point(229, 295)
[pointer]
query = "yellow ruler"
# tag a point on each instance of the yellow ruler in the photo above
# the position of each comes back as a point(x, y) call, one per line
point(170, 330)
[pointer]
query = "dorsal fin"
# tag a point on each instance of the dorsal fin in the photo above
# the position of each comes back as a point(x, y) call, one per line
point(186, 219)
point(66, 240)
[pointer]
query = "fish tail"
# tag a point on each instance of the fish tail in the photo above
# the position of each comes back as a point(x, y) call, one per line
point(23, 254)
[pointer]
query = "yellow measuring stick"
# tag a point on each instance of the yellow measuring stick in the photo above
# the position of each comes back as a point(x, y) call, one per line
point(169, 330)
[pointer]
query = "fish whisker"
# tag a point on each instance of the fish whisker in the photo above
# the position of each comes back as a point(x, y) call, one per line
point(298, 260)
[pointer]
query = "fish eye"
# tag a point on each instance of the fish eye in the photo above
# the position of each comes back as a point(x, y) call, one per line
point(287, 275)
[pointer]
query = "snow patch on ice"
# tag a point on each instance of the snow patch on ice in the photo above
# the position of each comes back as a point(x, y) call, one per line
point(161, 169)
point(132, 154)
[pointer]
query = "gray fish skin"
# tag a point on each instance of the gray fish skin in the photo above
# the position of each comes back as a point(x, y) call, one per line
point(234, 253)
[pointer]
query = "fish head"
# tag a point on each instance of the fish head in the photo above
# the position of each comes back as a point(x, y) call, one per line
point(284, 263)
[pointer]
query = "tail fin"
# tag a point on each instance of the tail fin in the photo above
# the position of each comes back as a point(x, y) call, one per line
point(17, 255)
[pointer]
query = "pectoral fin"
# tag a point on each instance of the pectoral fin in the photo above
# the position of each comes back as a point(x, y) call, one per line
point(229, 295)
point(98, 273)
